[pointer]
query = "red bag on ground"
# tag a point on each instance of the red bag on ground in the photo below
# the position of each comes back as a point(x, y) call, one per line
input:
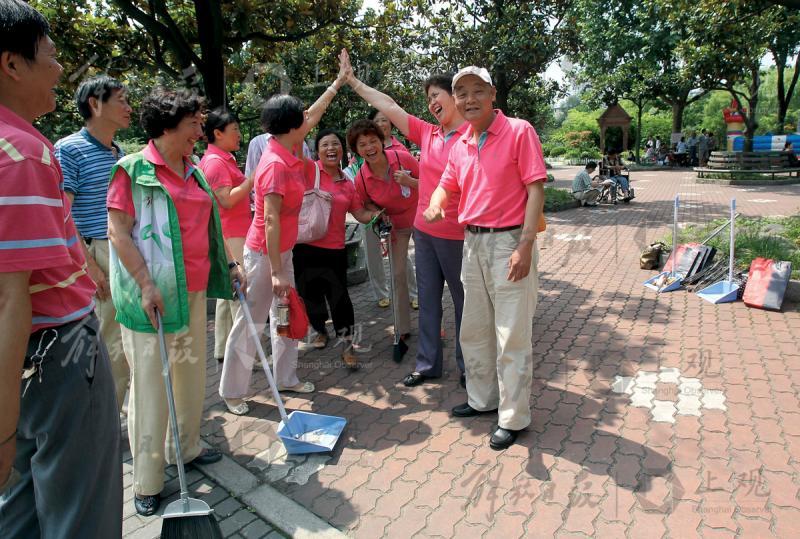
point(766, 283)
point(298, 317)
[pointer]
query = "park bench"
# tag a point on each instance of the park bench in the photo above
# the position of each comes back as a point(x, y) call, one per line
point(744, 163)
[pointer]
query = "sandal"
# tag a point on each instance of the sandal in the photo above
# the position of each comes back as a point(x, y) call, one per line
point(350, 360)
point(237, 409)
point(302, 387)
point(383, 303)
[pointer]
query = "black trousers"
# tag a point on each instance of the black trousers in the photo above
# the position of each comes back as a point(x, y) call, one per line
point(321, 275)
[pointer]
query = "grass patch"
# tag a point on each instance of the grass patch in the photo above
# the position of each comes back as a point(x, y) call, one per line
point(557, 199)
point(777, 238)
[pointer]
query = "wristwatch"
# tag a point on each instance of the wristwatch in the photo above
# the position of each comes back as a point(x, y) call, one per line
point(233, 264)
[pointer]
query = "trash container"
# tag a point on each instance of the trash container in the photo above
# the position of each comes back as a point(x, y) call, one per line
point(356, 255)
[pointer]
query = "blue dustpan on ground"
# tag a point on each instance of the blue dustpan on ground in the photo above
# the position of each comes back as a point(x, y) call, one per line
point(300, 432)
point(724, 291)
point(669, 280)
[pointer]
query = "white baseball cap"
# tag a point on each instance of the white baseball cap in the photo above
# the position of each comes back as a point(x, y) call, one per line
point(479, 72)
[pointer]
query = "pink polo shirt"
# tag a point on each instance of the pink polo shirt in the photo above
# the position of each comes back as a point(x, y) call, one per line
point(344, 200)
point(192, 205)
point(36, 229)
point(221, 170)
point(386, 193)
point(435, 146)
point(492, 179)
point(279, 172)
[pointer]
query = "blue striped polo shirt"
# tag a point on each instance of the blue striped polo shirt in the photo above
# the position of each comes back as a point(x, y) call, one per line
point(86, 164)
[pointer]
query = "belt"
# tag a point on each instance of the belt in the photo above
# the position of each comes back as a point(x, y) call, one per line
point(481, 229)
point(88, 241)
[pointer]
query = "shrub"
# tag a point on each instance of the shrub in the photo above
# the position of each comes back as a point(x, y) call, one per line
point(131, 146)
point(573, 153)
point(557, 151)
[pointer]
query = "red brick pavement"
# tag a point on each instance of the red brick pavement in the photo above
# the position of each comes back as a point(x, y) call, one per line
point(590, 464)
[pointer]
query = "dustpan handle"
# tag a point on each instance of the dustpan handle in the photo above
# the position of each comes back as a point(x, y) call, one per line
point(262, 357)
point(173, 416)
point(674, 236)
point(733, 241)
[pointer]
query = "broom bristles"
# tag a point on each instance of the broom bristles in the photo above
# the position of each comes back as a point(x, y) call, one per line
point(200, 527)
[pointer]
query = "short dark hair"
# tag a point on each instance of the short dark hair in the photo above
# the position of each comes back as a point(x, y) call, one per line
point(100, 87)
point(219, 118)
point(326, 132)
point(374, 113)
point(440, 80)
point(591, 165)
point(362, 128)
point(281, 114)
point(21, 29)
point(165, 108)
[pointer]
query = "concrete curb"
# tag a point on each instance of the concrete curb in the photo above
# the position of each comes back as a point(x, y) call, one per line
point(280, 511)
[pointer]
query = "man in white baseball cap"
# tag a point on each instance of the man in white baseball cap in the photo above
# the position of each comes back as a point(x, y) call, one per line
point(498, 168)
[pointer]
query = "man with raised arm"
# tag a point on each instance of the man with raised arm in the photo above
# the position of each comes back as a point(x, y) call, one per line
point(498, 168)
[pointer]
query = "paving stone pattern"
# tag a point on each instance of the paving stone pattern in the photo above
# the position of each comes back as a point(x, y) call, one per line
point(653, 415)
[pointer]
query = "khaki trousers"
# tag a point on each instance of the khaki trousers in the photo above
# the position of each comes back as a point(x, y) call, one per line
point(110, 329)
point(240, 352)
point(226, 310)
point(401, 302)
point(148, 415)
point(496, 327)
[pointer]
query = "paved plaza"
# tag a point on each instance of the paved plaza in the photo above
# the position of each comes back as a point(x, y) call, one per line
point(653, 415)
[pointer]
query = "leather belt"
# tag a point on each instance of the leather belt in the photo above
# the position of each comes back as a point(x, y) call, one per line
point(481, 229)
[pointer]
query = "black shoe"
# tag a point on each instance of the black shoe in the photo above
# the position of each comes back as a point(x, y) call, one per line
point(465, 410)
point(220, 359)
point(399, 350)
point(463, 380)
point(207, 456)
point(502, 438)
point(147, 505)
point(414, 379)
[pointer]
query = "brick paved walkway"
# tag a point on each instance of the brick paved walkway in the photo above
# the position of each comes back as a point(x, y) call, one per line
point(711, 449)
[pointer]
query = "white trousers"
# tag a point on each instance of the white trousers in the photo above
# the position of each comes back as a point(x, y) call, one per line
point(240, 351)
point(496, 327)
point(226, 310)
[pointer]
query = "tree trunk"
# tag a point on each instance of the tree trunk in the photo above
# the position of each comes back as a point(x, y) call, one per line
point(501, 84)
point(783, 105)
point(639, 108)
point(210, 34)
point(678, 107)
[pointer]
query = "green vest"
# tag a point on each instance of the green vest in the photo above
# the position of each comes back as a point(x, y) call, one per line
point(157, 235)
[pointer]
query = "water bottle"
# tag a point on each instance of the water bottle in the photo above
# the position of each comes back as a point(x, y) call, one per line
point(282, 312)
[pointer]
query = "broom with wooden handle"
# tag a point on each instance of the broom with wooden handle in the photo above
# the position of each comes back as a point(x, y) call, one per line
point(186, 518)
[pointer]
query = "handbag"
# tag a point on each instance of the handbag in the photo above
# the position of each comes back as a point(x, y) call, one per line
point(312, 224)
point(298, 317)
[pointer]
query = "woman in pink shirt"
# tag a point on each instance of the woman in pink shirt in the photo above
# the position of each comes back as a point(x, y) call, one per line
point(232, 191)
point(438, 246)
point(377, 275)
point(388, 181)
point(321, 266)
point(165, 172)
point(279, 185)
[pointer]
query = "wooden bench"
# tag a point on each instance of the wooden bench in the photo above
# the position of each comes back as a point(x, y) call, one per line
point(744, 163)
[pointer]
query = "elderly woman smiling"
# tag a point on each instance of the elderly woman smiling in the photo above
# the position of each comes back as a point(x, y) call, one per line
point(388, 180)
point(168, 254)
point(321, 266)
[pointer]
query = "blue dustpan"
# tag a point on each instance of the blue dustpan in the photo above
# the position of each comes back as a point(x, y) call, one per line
point(720, 292)
point(724, 291)
point(656, 282)
point(300, 432)
point(304, 432)
point(653, 283)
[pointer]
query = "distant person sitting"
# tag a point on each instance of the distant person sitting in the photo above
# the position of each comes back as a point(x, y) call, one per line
point(614, 167)
point(791, 157)
point(681, 155)
point(585, 188)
